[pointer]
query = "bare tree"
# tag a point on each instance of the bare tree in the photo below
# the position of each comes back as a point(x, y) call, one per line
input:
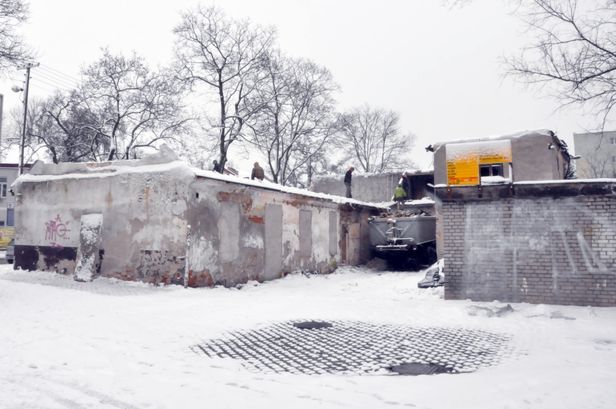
point(120, 107)
point(224, 55)
point(574, 51)
point(59, 126)
point(63, 126)
point(373, 139)
point(295, 118)
point(133, 106)
point(12, 49)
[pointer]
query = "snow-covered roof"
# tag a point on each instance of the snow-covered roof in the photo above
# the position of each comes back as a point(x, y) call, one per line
point(163, 161)
point(516, 135)
point(287, 189)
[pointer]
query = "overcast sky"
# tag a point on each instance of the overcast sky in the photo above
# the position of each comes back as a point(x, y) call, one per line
point(438, 67)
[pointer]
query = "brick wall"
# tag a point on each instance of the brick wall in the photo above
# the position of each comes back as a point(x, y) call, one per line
point(540, 243)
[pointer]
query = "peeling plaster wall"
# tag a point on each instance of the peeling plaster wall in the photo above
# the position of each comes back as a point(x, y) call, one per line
point(172, 226)
point(144, 229)
point(268, 223)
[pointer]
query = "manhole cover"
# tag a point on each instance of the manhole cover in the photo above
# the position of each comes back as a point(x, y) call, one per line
point(312, 324)
point(356, 347)
point(415, 368)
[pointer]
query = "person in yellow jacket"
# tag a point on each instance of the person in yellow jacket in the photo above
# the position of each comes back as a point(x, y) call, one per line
point(399, 195)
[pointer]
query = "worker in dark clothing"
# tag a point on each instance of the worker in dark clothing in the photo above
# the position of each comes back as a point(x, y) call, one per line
point(217, 167)
point(405, 182)
point(348, 176)
point(257, 172)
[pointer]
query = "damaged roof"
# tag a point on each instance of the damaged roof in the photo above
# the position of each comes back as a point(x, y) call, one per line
point(516, 135)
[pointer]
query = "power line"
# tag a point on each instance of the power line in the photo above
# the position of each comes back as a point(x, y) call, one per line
point(45, 86)
point(51, 84)
point(59, 73)
point(57, 79)
point(52, 80)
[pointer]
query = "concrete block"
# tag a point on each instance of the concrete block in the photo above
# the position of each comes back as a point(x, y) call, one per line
point(90, 237)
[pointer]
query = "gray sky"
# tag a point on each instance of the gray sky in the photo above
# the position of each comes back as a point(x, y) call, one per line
point(438, 67)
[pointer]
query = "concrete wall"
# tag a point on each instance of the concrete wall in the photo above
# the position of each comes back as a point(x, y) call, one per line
point(240, 233)
point(598, 154)
point(373, 187)
point(144, 224)
point(531, 159)
point(538, 243)
point(158, 219)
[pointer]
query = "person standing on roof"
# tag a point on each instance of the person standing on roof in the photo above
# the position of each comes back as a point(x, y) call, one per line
point(405, 182)
point(257, 172)
point(348, 176)
point(399, 195)
point(217, 167)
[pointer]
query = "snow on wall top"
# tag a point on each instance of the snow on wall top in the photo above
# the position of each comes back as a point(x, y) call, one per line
point(516, 135)
point(163, 161)
point(539, 182)
point(286, 189)
point(356, 174)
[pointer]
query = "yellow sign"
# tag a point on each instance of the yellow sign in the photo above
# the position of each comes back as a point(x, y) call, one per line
point(6, 234)
point(463, 159)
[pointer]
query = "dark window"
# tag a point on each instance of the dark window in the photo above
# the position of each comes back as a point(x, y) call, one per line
point(10, 217)
point(491, 170)
point(3, 187)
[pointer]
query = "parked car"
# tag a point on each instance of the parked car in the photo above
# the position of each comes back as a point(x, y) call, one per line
point(10, 252)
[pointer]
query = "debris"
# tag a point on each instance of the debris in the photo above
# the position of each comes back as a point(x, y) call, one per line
point(434, 276)
point(475, 310)
point(560, 315)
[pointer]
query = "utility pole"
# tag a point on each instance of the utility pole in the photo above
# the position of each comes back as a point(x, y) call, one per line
point(1, 113)
point(23, 129)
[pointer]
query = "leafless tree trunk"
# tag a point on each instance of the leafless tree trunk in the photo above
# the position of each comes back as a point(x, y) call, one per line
point(224, 55)
point(372, 138)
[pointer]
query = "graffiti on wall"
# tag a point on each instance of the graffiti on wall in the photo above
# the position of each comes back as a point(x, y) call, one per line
point(57, 232)
point(564, 237)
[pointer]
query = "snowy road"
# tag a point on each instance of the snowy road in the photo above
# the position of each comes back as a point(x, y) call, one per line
point(110, 344)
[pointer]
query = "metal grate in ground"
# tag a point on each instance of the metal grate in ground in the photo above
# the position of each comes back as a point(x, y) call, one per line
point(356, 347)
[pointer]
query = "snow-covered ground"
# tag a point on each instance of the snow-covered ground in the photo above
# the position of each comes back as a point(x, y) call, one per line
point(112, 344)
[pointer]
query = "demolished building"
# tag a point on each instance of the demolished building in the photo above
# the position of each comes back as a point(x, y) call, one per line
point(528, 233)
point(163, 221)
